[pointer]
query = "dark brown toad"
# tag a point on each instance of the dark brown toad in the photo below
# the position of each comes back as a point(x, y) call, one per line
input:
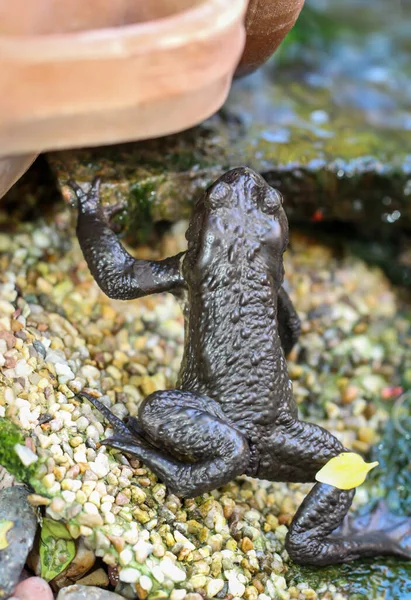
point(233, 411)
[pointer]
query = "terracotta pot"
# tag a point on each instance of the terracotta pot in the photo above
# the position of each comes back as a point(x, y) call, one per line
point(76, 73)
point(12, 168)
point(267, 23)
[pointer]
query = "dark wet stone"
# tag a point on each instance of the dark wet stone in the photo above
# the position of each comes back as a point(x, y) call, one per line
point(86, 592)
point(14, 507)
point(327, 122)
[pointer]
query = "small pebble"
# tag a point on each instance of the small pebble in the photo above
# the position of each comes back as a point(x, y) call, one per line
point(33, 588)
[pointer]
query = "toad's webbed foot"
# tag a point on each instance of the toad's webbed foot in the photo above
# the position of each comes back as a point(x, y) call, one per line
point(117, 273)
point(391, 533)
point(184, 439)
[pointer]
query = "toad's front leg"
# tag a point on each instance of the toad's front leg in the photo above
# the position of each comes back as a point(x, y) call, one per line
point(184, 439)
point(117, 273)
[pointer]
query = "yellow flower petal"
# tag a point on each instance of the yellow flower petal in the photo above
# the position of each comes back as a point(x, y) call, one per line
point(5, 527)
point(345, 471)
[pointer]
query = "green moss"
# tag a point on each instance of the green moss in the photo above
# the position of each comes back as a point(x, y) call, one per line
point(10, 435)
point(393, 480)
point(136, 220)
point(385, 579)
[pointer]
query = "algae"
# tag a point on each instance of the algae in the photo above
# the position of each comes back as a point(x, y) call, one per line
point(10, 435)
point(136, 222)
point(383, 579)
point(393, 454)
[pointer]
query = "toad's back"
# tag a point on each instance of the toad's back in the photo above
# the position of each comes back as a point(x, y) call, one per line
point(234, 270)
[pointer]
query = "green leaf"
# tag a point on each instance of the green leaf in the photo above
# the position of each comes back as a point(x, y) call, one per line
point(57, 549)
point(55, 529)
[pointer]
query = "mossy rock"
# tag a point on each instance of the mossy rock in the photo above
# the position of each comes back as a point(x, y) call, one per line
point(325, 123)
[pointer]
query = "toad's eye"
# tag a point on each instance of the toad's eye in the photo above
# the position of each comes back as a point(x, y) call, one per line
point(271, 201)
point(219, 195)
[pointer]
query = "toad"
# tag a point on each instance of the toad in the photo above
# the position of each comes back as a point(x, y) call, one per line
point(232, 411)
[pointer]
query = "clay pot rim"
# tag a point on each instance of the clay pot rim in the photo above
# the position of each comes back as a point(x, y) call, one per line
point(205, 20)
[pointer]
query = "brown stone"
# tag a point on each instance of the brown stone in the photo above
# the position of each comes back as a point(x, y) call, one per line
point(79, 566)
point(246, 544)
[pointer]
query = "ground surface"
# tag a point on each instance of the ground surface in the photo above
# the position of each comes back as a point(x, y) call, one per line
point(59, 334)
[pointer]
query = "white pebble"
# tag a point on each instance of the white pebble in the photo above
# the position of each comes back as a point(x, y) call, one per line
point(90, 508)
point(68, 496)
point(178, 594)
point(40, 239)
point(27, 456)
point(129, 575)
point(131, 535)
point(142, 550)
point(235, 587)
point(55, 356)
point(171, 570)
point(146, 583)
point(82, 423)
point(106, 507)
point(64, 372)
point(100, 466)
point(80, 455)
point(22, 368)
point(56, 450)
point(92, 432)
point(181, 539)
point(90, 373)
point(157, 574)
point(125, 556)
point(214, 586)
point(76, 485)
point(94, 498)
point(109, 518)
point(6, 308)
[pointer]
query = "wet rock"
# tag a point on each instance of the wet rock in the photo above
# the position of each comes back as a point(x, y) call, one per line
point(86, 592)
point(19, 517)
point(98, 578)
point(326, 123)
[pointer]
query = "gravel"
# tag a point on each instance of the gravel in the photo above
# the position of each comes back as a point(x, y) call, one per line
point(59, 335)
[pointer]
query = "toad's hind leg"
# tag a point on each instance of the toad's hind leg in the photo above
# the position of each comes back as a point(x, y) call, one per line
point(318, 534)
point(187, 442)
